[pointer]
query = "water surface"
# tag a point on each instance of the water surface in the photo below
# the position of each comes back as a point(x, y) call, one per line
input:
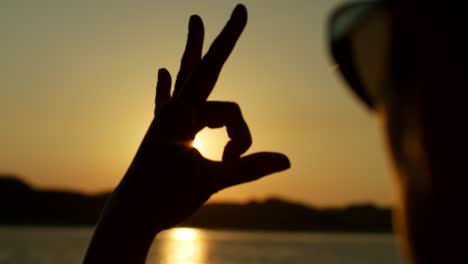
point(24, 245)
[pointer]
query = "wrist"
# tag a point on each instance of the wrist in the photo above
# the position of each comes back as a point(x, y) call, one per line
point(121, 240)
point(123, 234)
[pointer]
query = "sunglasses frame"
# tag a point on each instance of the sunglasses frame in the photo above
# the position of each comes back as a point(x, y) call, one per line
point(341, 25)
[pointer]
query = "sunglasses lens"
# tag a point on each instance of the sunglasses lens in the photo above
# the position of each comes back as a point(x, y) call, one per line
point(360, 35)
point(370, 51)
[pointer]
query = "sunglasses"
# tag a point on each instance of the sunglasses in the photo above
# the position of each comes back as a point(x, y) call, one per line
point(359, 35)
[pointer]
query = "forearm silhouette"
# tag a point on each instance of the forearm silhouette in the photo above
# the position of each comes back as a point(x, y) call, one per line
point(168, 179)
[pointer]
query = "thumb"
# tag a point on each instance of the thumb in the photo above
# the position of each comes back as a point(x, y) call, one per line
point(246, 169)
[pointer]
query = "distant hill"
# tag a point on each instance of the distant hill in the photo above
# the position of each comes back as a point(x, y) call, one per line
point(21, 204)
point(276, 214)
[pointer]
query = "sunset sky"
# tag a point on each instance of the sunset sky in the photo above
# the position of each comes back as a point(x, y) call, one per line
point(77, 92)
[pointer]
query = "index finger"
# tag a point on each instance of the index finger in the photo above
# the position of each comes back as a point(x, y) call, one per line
point(205, 76)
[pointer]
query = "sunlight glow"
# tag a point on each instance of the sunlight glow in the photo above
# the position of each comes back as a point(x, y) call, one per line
point(196, 143)
point(185, 234)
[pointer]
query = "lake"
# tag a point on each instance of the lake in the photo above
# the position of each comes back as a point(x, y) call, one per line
point(20, 245)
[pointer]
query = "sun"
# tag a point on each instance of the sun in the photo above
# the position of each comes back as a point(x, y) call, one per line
point(211, 142)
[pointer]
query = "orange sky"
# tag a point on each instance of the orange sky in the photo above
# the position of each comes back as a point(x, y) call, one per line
point(77, 89)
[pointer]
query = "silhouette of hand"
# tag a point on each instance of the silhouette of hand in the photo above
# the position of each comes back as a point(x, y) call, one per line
point(168, 179)
point(167, 170)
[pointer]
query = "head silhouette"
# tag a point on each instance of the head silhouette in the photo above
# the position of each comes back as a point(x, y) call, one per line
point(407, 62)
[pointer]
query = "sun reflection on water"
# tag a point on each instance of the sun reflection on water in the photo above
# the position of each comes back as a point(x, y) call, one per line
point(180, 246)
point(185, 234)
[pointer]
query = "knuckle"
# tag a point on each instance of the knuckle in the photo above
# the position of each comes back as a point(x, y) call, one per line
point(234, 108)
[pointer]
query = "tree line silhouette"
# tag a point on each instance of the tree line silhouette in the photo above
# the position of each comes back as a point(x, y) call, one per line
point(22, 204)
